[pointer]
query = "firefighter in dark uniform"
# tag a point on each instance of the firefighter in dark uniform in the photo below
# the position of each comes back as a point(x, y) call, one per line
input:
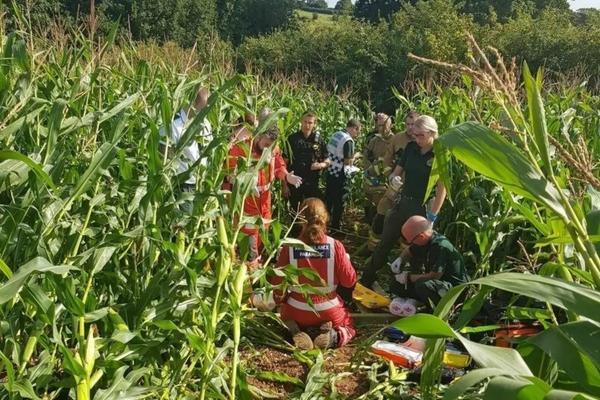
point(306, 155)
point(434, 264)
point(414, 168)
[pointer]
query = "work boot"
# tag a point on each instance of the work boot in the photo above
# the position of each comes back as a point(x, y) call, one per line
point(301, 339)
point(328, 339)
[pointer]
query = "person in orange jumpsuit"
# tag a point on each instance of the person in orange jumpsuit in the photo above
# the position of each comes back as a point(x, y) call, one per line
point(326, 312)
point(258, 202)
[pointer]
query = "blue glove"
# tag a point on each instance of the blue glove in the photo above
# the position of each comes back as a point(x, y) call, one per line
point(431, 217)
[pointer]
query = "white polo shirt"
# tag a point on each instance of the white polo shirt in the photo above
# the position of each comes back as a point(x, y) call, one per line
point(191, 152)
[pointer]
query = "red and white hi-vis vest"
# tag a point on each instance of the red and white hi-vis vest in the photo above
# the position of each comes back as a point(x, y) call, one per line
point(324, 264)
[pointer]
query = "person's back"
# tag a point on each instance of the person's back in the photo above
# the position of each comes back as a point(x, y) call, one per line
point(332, 263)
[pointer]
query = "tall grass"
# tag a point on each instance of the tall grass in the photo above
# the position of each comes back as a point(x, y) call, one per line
point(109, 291)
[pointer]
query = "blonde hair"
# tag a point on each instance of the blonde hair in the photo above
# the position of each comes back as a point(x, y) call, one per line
point(427, 123)
point(315, 218)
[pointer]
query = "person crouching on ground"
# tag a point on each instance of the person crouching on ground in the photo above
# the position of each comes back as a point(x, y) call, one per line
point(435, 264)
point(327, 314)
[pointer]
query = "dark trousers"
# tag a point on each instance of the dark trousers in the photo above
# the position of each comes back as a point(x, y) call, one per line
point(304, 191)
point(377, 224)
point(335, 196)
point(427, 291)
point(405, 208)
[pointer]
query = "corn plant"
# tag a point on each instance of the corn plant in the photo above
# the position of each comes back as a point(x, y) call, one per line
point(526, 171)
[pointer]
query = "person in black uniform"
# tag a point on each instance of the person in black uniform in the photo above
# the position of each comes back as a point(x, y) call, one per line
point(414, 167)
point(306, 156)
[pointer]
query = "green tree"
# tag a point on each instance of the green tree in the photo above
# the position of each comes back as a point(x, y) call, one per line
point(413, 30)
point(193, 19)
point(344, 6)
point(317, 4)
point(239, 19)
point(348, 53)
point(483, 10)
point(375, 10)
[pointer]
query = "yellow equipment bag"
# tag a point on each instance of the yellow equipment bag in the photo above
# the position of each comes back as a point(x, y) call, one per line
point(369, 298)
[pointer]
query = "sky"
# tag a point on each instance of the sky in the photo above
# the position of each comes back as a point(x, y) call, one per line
point(575, 4)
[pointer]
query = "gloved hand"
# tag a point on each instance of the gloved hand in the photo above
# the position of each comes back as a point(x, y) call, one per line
point(396, 265)
point(402, 277)
point(431, 217)
point(350, 170)
point(396, 183)
point(293, 179)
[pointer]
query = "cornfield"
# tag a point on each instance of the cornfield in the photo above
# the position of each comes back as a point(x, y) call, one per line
point(109, 291)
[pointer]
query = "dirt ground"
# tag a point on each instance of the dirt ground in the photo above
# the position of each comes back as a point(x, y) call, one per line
point(351, 382)
point(341, 363)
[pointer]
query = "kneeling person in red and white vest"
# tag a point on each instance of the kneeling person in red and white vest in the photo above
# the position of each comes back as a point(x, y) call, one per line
point(327, 314)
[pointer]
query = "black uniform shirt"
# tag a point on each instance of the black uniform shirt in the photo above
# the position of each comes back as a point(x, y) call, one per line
point(417, 168)
point(302, 152)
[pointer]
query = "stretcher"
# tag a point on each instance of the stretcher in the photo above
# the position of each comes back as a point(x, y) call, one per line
point(369, 298)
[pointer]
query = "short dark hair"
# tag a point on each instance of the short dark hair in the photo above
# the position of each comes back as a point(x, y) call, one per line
point(353, 123)
point(272, 132)
point(412, 113)
point(309, 113)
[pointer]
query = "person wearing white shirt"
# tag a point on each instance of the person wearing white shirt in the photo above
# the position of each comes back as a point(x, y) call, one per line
point(191, 152)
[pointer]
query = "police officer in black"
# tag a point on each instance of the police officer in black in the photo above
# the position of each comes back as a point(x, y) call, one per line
point(414, 167)
point(306, 156)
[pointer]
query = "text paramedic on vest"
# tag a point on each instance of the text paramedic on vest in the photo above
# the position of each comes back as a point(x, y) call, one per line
point(190, 154)
point(327, 314)
point(306, 156)
point(414, 168)
point(435, 264)
point(340, 150)
point(258, 202)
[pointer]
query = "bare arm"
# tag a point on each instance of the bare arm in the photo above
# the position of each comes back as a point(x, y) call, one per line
point(428, 275)
point(398, 171)
point(440, 196)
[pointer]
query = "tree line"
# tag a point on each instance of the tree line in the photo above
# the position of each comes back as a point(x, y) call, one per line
point(365, 50)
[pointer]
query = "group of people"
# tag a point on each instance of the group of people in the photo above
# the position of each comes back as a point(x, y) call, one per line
point(396, 168)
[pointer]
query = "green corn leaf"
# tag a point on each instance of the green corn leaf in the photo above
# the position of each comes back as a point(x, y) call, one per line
point(537, 118)
point(502, 388)
point(280, 377)
point(581, 300)
point(38, 265)
point(471, 379)
point(570, 354)
point(35, 167)
point(489, 154)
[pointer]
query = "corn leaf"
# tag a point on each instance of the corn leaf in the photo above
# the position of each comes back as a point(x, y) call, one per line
point(537, 118)
point(494, 157)
point(35, 167)
point(38, 265)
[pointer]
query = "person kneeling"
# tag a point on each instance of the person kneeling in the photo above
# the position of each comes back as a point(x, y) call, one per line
point(321, 311)
point(435, 264)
